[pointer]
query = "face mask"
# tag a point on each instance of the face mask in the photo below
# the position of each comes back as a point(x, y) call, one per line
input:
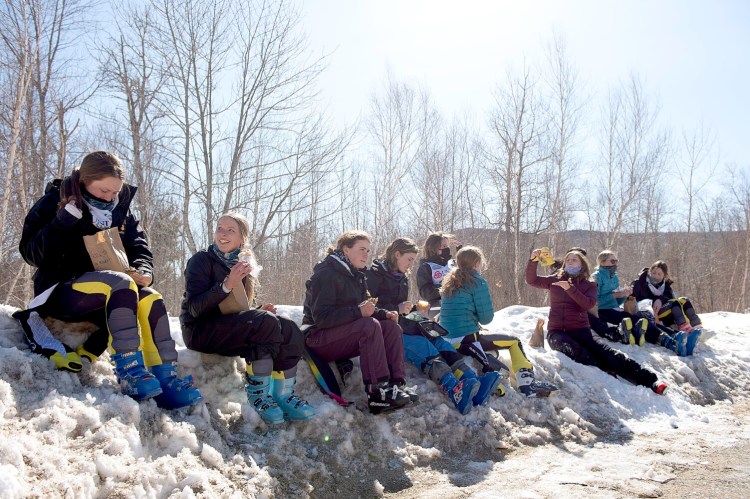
point(445, 253)
point(573, 271)
point(654, 281)
point(612, 269)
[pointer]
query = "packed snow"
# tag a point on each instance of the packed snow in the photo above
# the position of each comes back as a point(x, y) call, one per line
point(75, 435)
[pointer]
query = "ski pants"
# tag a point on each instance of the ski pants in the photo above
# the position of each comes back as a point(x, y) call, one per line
point(255, 335)
point(431, 355)
point(678, 311)
point(475, 345)
point(113, 302)
point(377, 343)
point(581, 346)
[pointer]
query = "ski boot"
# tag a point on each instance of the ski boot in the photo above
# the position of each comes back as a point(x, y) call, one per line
point(639, 332)
point(293, 407)
point(257, 388)
point(133, 376)
point(489, 383)
point(460, 392)
point(528, 386)
point(692, 340)
point(383, 396)
point(176, 392)
point(626, 331)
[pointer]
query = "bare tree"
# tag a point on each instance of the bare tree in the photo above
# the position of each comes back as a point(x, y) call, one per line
point(516, 159)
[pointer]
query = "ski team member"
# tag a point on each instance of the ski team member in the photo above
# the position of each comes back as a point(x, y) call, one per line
point(435, 265)
point(130, 315)
point(388, 280)
point(271, 345)
point(572, 293)
point(466, 303)
point(343, 322)
point(654, 284)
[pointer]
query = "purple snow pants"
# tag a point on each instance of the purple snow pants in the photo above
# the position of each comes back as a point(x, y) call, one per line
point(377, 343)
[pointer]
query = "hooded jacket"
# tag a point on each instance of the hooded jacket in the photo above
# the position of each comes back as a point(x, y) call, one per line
point(568, 308)
point(390, 289)
point(57, 249)
point(333, 295)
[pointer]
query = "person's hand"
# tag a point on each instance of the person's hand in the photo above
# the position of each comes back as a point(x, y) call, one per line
point(455, 243)
point(392, 315)
point(622, 293)
point(562, 284)
point(367, 308)
point(141, 279)
point(535, 254)
point(238, 272)
point(268, 307)
point(405, 307)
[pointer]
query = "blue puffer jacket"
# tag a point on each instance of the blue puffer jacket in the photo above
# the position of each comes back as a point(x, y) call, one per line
point(463, 311)
point(606, 285)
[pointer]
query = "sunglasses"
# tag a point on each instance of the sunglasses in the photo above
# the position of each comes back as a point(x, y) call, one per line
point(613, 260)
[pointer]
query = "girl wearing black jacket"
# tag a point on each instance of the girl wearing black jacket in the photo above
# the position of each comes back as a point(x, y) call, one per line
point(435, 265)
point(271, 345)
point(343, 322)
point(66, 285)
point(654, 284)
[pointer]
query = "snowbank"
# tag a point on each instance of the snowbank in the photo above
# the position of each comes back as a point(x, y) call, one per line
point(75, 435)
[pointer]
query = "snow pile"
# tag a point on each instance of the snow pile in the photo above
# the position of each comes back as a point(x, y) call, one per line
point(75, 435)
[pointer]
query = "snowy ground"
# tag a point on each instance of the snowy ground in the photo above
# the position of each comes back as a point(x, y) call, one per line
point(74, 435)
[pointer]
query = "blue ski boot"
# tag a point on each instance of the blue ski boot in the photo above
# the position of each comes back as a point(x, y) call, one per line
point(675, 343)
point(460, 392)
point(257, 389)
point(133, 376)
point(293, 407)
point(692, 340)
point(488, 384)
point(176, 392)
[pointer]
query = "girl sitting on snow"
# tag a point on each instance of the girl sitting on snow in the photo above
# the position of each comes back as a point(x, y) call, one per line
point(343, 322)
point(388, 280)
point(435, 265)
point(131, 316)
point(572, 294)
point(466, 303)
point(654, 284)
point(271, 345)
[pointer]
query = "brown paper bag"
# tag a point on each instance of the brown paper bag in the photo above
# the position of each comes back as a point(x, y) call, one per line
point(106, 251)
point(236, 302)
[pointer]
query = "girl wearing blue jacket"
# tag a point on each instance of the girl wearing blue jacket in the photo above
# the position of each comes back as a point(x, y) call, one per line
point(466, 303)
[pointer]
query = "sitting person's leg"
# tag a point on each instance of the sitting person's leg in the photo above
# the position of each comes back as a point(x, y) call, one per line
point(284, 375)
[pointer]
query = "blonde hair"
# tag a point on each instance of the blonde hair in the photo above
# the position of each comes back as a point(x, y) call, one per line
point(601, 257)
point(461, 276)
point(242, 223)
point(252, 285)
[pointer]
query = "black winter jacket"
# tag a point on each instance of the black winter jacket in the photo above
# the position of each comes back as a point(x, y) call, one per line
point(58, 251)
point(643, 292)
point(390, 289)
point(204, 275)
point(427, 289)
point(334, 293)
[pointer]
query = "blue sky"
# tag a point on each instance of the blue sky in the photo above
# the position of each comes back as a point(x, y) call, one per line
point(690, 55)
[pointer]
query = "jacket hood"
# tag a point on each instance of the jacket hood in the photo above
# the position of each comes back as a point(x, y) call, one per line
point(335, 264)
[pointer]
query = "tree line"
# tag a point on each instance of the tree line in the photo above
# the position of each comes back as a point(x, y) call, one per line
point(214, 106)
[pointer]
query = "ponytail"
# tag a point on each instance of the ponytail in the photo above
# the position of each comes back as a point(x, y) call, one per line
point(71, 188)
